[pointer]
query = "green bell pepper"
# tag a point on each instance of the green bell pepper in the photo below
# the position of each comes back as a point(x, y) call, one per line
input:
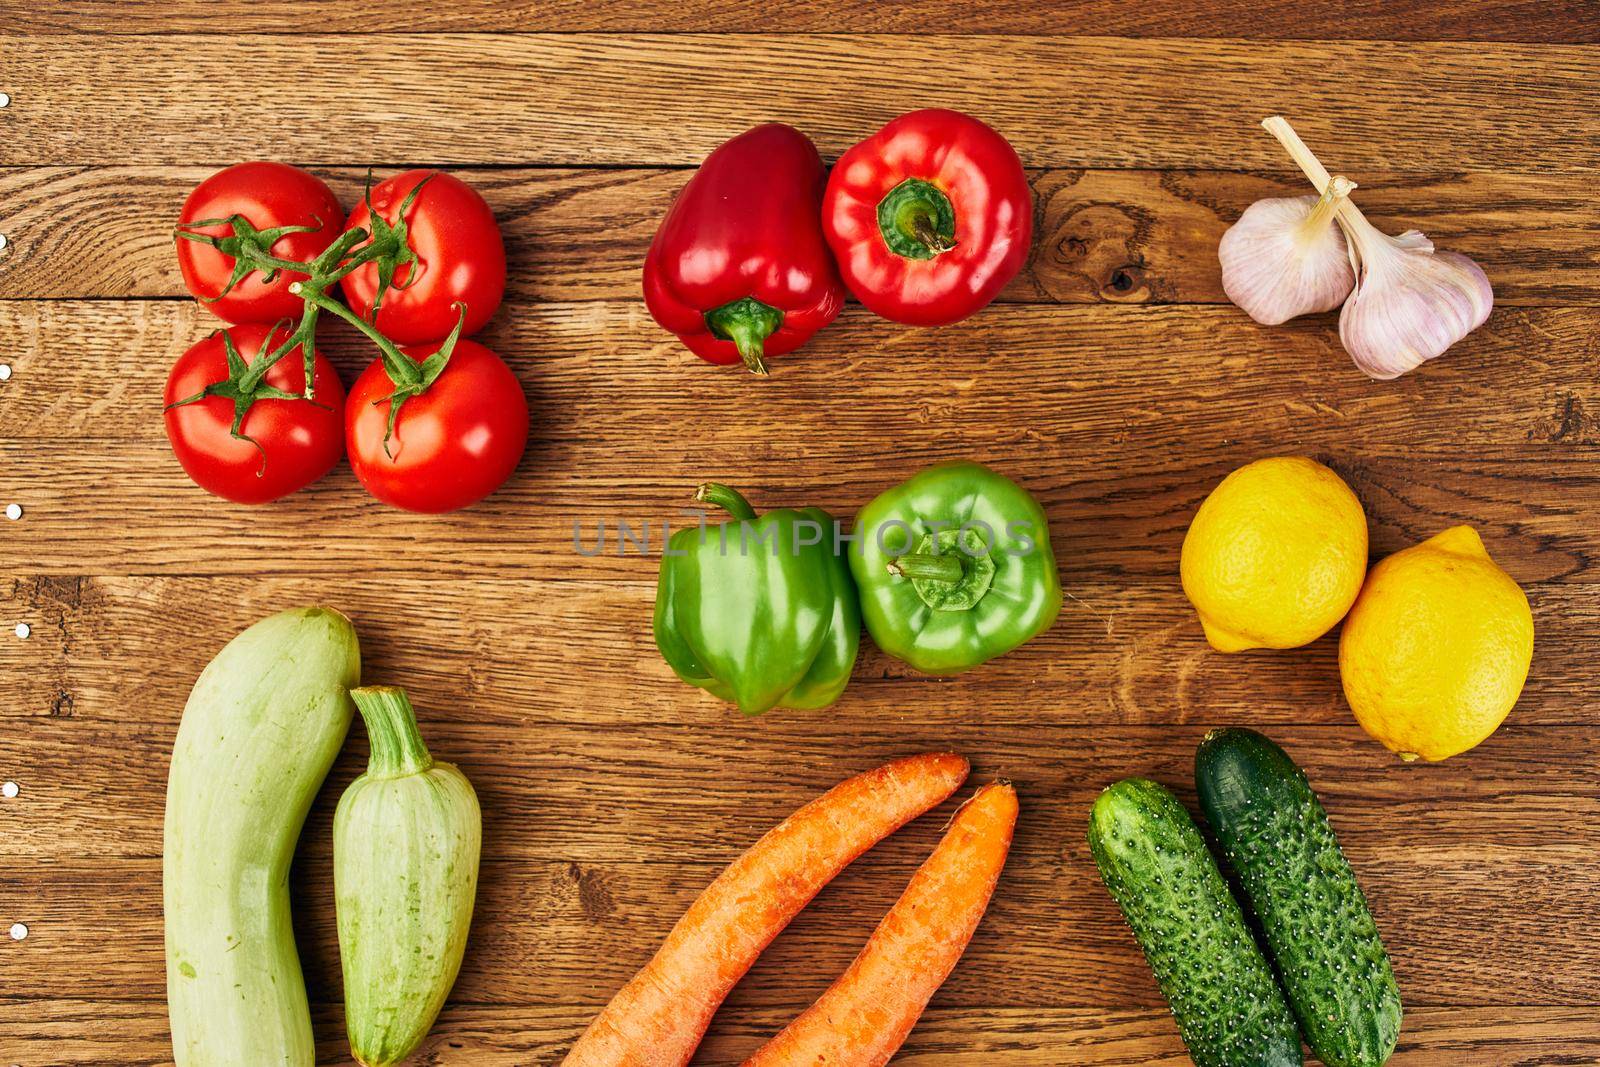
point(759, 611)
point(954, 567)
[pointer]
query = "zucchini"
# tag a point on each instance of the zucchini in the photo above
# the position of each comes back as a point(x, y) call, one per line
point(261, 728)
point(1157, 868)
point(406, 839)
point(1275, 836)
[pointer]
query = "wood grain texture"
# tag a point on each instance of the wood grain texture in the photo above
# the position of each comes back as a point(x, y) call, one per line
point(1059, 378)
point(628, 100)
point(1094, 408)
point(691, 787)
point(1118, 236)
point(1551, 21)
point(105, 651)
point(613, 793)
point(595, 846)
point(77, 1033)
point(1124, 524)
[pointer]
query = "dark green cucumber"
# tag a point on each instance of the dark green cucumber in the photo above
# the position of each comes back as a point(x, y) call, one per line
point(1157, 868)
point(1321, 937)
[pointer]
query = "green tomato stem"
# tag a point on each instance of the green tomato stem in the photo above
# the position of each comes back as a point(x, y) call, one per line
point(331, 265)
point(403, 370)
point(265, 263)
point(304, 337)
point(322, 274)
point(397, 749)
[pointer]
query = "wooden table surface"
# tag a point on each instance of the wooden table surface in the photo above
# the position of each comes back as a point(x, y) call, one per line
point(1112, 379)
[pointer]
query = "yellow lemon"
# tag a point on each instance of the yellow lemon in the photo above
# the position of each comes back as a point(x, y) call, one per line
point(1275, 555)
point(1436, 649)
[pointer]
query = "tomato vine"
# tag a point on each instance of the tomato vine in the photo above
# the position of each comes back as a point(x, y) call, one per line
point(385, 244)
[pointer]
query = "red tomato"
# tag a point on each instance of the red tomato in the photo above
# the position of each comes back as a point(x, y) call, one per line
point(269, 195)
point(300, 440)
point(453, 444)
point(459, 254)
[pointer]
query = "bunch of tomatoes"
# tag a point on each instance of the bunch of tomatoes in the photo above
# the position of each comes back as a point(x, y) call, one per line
point(255, 411)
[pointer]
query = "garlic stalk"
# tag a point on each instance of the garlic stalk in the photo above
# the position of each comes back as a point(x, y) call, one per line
point(1285, 257)
point(1410, 302)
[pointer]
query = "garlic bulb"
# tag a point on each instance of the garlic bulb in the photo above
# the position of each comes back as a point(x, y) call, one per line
point(1410, 302)
point(1285, 257)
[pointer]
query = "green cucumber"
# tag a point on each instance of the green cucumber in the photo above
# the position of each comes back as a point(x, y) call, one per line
point(1318, 930)
point(406, 839)
point(1157, 868)
point(261, 728)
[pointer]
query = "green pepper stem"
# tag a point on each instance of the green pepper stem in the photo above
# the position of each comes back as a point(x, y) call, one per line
point(729, 500)
point(944, 567)
point(397, 750)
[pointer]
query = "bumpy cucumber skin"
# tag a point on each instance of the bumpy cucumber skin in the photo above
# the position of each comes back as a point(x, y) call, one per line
point(260, 731)
point(405, 872)
point(1157, 868)
point(1276, 838)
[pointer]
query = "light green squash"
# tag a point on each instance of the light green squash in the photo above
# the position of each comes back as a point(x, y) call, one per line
point(406, 840)
point(261, 728)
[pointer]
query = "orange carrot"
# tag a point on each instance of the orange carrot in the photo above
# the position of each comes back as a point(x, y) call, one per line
point(866, 1015)
point(659, 1017)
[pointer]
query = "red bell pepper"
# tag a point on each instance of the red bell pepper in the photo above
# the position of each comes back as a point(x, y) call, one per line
point(929, 217)
point(739, 268)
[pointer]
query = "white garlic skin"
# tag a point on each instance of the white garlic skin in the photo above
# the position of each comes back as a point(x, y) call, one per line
point(1275, 267)
point(1410, 304)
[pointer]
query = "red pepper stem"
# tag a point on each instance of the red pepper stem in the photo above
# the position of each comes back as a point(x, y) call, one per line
point(917, 220)
point(749, 348)
point(935, 242)
point(929, 567)
point(729, 500)
point(748, 323)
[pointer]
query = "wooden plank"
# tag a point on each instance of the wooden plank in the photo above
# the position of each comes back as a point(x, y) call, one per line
point(613, 793)
point(1097, 409)
point(571, 934)
point(1112, 516)
point(569, 927)
point(107, 651)
point(564, 931)
point(1563, 21)
point(620, 99)
point(571, 234)
point(1115, 380)
point(652, 791)
point(133, 1033)
point(1120, 236)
